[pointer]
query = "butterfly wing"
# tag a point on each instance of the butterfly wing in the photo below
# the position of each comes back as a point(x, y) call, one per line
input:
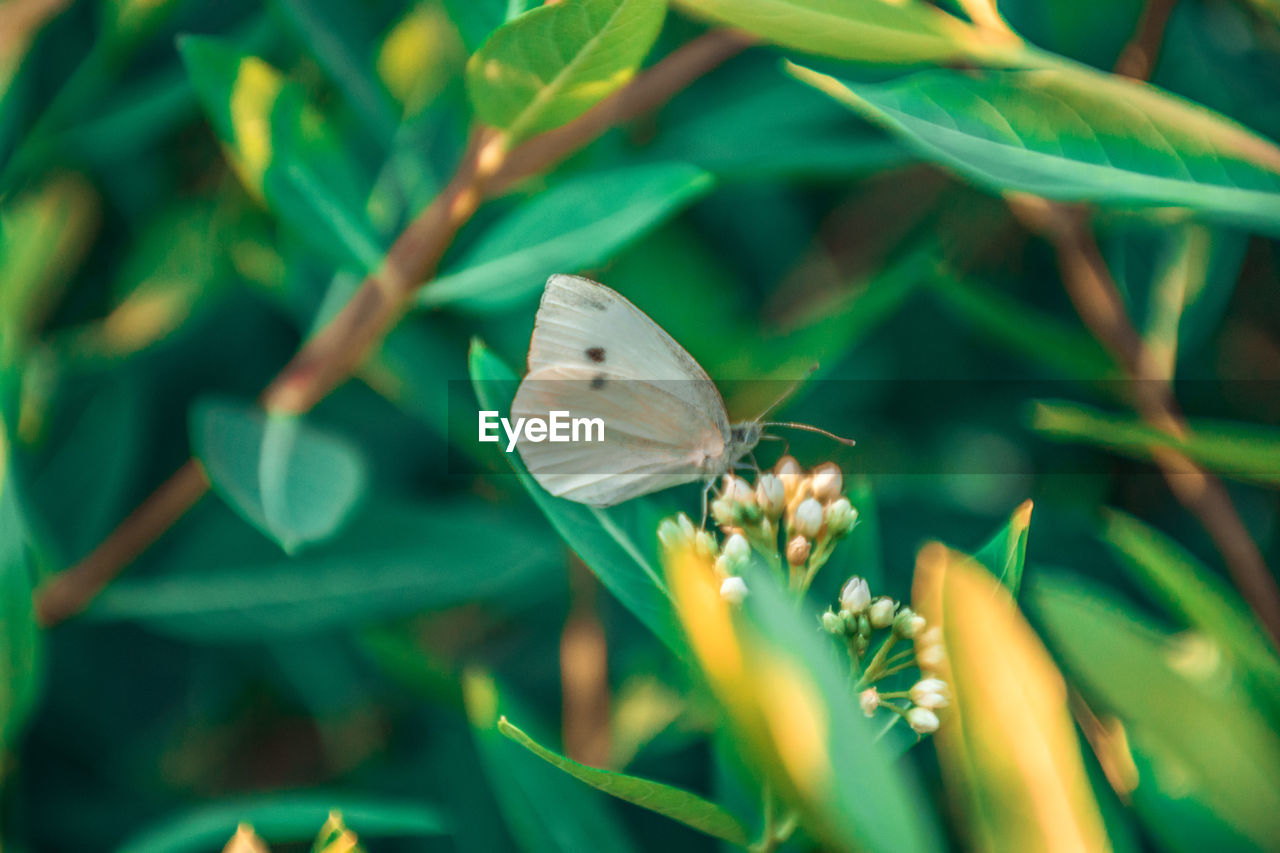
point(583, 323)
point(652, 439)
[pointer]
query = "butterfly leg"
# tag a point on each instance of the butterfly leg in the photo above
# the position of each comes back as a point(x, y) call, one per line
point(706, 491)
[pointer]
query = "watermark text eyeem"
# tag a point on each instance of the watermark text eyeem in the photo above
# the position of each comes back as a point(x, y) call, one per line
point(559, 427)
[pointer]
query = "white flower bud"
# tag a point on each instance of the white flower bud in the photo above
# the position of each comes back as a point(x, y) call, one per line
point(869, 699)
point(808, 519)
point(798, 550)
point(832, 622)
point(705, 544)
point(931, 657)
point(735, 490)
point(855, 595)
point(907, 623)
point(922, 721)
point(675, 532)
point(931, 699)
point(722, 511)
point(841, 517)
point(881, 613)
point(733, 590)
point(736, 550)
point(771, 496)
point(789, 472)
point(827, 482)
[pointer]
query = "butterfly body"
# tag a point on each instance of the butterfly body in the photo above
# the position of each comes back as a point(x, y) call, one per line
point(596, 355)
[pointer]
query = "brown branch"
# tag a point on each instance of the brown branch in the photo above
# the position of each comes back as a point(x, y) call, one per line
point(1138, 59)
point(330, 356)
point(1096, 298)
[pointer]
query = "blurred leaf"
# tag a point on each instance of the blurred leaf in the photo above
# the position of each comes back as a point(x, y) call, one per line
point(416, 61)
point(1196, 594)
point(791, 707)
point(284, 818)
point(1177, 282)
point(752, 123)
point(1248, 452)
point(477, 19)
point(290, 480)
point(551, 64)
point(336, 34)
point(285, 151)
point(546, 811)
point(619, 553)
point(1034, 334)
point(1073, 134)
point(1006, 554)
point(1206, 757)
point(863, 30)
point(1007, 746)
point(393, 559)
point(44, 233)
point(19, 635)
point(245, 841)
point(334, 837)
point(573, 226)
point(677, 804)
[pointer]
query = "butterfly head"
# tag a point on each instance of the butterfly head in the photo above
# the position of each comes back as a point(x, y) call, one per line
point(743, 438)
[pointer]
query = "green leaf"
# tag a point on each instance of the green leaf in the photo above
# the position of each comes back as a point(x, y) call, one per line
point(221, 585)
point(1074, 134)
point(44, 233)
point(1023, 329)
point(20, 656)
point(337, 35)
point(1244, 451)
point(864, 30)
point(284, 818)
point(551, 64)
point(1190, 590)
point(285, 151)
point(755, 124)
point(787, 697)
point(476, 19)
point(573, 226)
point(1005, 554)
point(618, 544)
point(1206, 757)
point(545, 810)
point(290, 480)
point(667, 801)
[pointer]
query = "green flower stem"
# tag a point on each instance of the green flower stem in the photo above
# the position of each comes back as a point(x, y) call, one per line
point(875, 670)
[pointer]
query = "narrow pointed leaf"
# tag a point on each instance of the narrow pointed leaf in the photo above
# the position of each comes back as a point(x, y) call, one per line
point(1007, 746)
point(1074, 134)
point(666, 800)
point(571, 227)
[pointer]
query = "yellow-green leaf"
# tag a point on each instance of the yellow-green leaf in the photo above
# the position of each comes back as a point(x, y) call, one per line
point(1007, 746)
point(551, 64)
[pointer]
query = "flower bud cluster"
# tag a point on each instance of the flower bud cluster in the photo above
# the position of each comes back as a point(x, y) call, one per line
point(805, 507)
point(856, 618)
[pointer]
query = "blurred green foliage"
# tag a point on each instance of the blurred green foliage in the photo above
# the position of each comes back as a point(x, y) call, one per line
point(189, 191)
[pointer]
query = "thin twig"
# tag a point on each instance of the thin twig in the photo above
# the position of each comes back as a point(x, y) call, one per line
point(330, 356)
point(1138, 59)
point(1094, 294)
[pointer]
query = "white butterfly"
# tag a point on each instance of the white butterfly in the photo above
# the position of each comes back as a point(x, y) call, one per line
point(596, 355)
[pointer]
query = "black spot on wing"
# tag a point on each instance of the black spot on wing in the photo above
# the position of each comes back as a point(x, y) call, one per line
point(596, 354)
point(597, 381)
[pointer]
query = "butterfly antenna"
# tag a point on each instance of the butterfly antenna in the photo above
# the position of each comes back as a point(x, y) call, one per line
point(791, 389)
point(807, 428)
